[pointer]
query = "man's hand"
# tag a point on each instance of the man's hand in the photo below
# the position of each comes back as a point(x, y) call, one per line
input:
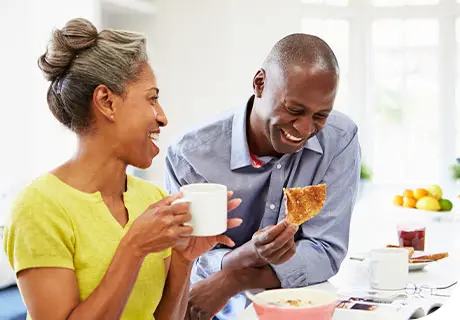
point(271, 245)
point(275, 244)
point(207, 298)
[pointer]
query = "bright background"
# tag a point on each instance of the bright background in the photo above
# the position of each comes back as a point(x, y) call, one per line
point(399, 62)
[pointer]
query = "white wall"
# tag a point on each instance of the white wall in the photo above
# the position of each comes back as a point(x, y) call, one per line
point(206, 54)
point(31, 140)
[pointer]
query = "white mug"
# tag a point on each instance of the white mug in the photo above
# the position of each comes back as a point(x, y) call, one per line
point(388, 268)
point(208, 207)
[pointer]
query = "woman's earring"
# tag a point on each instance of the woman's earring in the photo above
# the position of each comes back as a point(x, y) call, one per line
point(112, 117)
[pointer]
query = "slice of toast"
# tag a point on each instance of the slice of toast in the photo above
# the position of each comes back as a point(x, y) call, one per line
point(302, 204)
point(410, 249)
point(430, 257)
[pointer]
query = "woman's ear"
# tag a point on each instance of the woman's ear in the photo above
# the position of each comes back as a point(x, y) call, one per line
point(103, 102)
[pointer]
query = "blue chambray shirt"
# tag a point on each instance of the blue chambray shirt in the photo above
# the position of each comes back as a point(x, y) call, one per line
point(218, 152)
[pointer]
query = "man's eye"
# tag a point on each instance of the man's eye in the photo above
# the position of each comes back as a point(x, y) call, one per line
point(321, 116)
point(154, 99)
point(294, 111)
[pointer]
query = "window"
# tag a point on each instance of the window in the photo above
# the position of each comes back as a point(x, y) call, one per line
point(457, 36)
point(400, 56)
point(336, 33)
point(405, 105)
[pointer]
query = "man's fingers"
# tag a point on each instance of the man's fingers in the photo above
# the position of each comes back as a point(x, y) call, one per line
point(269, 235)
point(222, 239)
point(281, 240)
point(278, 256)
point(229, 194)
point(288, 255)
point(233, 204)
point(233, 223)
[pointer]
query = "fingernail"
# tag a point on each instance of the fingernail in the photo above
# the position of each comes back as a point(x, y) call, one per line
point(295, 227)
point(240, 221)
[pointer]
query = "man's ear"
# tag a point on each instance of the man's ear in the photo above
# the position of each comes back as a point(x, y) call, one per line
point(103, 102)
point(258, 83)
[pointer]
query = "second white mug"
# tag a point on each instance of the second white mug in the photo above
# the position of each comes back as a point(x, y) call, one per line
point(388, 268)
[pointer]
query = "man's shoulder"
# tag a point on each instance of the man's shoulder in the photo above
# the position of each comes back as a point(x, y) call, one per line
point(340, 126)
point(341, 123)
point(210, 134)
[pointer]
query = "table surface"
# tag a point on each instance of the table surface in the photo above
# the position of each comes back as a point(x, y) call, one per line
point(374, 225)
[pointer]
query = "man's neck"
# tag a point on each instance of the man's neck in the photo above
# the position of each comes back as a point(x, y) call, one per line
point(258, 143)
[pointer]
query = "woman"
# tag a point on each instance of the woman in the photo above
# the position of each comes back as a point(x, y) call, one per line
point(86, 240)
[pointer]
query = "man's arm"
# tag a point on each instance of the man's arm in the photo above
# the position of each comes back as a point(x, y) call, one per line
point(323, 242)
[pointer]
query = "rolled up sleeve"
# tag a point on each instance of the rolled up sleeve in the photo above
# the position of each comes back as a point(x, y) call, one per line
point(322, 242)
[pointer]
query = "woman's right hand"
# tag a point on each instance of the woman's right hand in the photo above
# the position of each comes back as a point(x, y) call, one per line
point(160, 226)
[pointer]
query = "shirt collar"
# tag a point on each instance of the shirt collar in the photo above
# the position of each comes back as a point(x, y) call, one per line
point(240, 156)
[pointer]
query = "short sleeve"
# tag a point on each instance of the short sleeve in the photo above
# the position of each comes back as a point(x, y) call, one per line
point(38, 233)
point(167, 253)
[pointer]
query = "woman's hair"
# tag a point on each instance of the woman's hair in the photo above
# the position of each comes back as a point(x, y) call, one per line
point(78, 59)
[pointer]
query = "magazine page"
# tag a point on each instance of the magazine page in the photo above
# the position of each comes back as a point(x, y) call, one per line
point(382, 305)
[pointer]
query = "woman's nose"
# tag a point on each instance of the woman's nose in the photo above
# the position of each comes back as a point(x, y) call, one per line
point(160, 116)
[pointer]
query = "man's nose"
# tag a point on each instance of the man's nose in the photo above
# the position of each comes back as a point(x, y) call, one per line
point(304, 126)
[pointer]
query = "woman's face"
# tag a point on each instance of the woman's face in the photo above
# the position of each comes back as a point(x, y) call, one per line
point(138, 118)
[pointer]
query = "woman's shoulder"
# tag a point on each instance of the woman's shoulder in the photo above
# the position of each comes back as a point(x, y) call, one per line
point(37, 196)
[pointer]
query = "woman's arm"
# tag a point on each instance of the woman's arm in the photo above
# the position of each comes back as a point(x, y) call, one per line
point(173, 304)
point(52, 293)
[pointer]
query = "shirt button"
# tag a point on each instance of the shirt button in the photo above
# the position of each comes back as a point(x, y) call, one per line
point(278, 166)
point(272, 206)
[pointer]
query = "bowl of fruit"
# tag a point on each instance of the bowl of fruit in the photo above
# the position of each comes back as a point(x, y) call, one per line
point(426, 199)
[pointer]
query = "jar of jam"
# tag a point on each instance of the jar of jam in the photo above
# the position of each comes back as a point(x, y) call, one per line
point(412, 236)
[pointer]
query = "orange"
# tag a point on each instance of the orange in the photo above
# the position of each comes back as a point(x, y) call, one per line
point(408, 193)
point(409, 202)
point(420, 193)
point(398, 200)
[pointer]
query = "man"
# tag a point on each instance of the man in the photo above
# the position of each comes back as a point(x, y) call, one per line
point(286, 136)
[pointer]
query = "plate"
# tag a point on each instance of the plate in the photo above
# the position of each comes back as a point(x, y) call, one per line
point(418, 266)
point(412, 266)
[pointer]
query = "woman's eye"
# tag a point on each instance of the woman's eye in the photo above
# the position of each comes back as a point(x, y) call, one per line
point(154, 99)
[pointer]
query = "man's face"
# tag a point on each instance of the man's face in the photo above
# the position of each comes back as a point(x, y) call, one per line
point(293, 105)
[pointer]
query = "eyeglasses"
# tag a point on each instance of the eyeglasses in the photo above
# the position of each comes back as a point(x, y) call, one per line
point(425, 291)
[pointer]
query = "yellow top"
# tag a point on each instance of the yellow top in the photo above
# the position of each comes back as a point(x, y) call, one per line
point(55, 225)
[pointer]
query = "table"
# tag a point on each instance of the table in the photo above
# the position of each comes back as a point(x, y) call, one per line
point(374, 225)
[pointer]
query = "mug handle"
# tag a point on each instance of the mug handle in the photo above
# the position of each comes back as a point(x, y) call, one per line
point(371, 269)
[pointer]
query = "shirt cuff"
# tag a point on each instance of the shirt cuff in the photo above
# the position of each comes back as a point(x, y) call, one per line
point(208, 264)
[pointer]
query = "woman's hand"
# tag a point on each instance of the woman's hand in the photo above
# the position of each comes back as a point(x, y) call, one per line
point(161, 226)
point(197, 246)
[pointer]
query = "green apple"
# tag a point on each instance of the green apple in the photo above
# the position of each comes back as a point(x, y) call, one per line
point(435, 191)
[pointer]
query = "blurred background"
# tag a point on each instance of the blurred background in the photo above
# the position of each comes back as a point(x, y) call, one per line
point(400, 82)
point(399, 61)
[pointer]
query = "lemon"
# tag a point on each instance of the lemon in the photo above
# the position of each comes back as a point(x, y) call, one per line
point(428, 203)
point(445, 205)
point(435, 191)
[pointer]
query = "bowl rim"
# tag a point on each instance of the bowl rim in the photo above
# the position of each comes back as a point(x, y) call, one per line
point(332, 295)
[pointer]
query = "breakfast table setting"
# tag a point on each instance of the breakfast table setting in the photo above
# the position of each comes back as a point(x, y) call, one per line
point(375, 228)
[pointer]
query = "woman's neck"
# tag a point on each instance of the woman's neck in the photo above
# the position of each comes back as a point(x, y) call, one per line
point(94, 168)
